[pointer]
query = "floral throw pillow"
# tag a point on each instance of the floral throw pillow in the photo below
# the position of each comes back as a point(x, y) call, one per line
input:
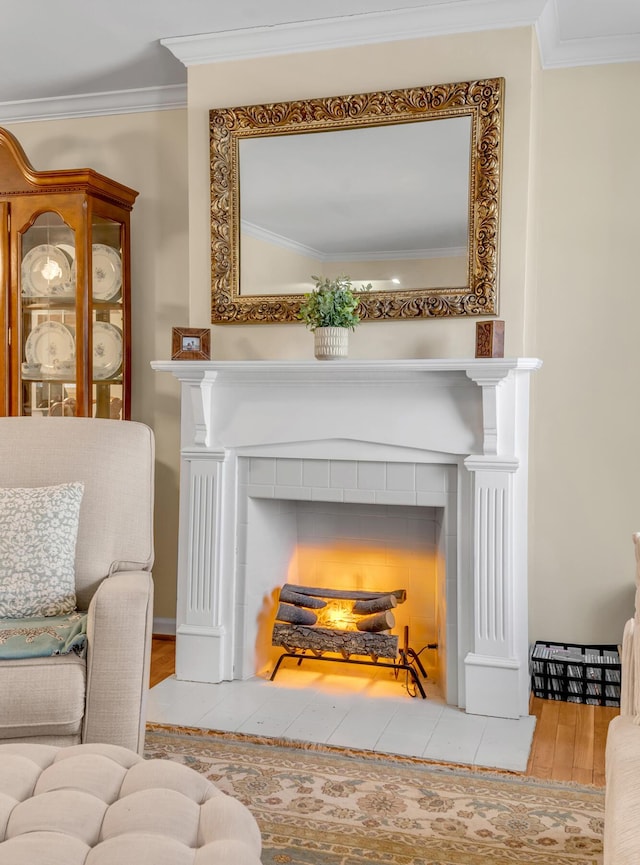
point(38, 532)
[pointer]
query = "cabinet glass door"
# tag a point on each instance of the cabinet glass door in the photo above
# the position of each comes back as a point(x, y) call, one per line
point(47, 303)
point(107, 303)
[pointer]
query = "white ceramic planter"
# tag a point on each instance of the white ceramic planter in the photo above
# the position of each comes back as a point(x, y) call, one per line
point(331, 343)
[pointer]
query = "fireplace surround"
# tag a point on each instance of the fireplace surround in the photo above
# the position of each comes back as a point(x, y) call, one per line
point(448, 434)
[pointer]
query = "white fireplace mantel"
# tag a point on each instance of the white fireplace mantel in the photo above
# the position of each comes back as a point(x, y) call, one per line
point(469, 412)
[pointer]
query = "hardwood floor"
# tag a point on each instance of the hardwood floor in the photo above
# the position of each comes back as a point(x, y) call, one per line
point(163, 659)
point(568, 743)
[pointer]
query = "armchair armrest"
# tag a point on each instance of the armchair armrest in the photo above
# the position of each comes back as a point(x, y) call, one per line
point(622, 759)
point(627, 661)
point(119, 630)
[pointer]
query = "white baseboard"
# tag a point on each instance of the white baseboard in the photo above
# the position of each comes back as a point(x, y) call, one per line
point(164, 626)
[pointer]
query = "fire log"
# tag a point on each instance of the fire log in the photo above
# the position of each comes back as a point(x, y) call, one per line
point(375, 605)
point(400, 594)
point(319, 640)
point(379, 622)
point(289, 596)
point(295, 615)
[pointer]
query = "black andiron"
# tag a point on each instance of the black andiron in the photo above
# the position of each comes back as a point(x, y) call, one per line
point(311, 622)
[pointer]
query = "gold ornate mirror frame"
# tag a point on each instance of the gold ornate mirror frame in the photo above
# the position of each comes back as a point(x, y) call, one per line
point(482, 100)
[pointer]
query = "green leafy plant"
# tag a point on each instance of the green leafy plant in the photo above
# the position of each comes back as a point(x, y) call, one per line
point(333, 303)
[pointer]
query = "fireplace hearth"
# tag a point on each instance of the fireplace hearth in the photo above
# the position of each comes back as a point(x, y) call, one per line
point(335, 625)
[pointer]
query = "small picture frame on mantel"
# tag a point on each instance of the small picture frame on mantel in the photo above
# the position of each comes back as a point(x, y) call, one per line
point(190, 343)
point(490, 338)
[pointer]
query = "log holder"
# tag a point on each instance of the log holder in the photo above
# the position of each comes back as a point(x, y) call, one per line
point(408, 660)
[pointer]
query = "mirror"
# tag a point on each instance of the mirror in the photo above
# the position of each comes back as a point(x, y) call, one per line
point(400, 189)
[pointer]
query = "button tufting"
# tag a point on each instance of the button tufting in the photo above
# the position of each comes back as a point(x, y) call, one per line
point(100, 804)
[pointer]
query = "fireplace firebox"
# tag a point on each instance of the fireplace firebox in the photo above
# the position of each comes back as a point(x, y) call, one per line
point(343, 626)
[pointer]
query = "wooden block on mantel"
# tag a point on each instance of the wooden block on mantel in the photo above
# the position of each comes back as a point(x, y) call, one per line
point(490, 338)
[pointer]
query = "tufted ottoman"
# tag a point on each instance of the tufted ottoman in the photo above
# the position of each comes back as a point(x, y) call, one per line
point(105, 805)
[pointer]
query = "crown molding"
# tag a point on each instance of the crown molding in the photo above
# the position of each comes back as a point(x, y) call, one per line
point(362, 29)
point(396, 254)
point(95, 104)
point(260, 233)
point(436, 19)
point(280, 240)
point(558, 53)
point(411, 23)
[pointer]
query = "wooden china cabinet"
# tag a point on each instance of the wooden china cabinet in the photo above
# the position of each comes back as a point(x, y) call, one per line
point(64, 290)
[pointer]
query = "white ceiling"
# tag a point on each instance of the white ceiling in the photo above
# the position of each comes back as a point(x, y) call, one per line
point(74, 58)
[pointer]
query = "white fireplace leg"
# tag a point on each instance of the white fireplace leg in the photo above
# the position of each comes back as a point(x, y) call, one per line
point(202, 638)
point(496, 672)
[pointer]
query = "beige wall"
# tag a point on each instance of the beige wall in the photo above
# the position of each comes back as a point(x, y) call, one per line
point(411, 272)
point(268, 268)
point(586, 465)
point(148, 152)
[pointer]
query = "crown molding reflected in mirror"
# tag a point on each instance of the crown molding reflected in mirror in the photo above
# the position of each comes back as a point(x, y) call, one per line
point(400, 196)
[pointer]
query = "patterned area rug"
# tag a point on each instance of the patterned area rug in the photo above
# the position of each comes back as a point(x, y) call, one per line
point(322, 806)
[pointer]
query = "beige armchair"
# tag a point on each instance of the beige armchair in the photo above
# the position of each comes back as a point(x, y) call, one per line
point(67, 699)
point(622, 758)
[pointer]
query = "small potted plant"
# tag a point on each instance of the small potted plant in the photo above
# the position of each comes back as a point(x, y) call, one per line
point(330, 312)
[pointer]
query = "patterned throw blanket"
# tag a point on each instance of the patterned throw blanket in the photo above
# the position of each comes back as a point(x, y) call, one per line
point(42, 637)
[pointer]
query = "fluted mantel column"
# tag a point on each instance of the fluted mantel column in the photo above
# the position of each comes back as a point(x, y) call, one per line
point(496, 668)
point(204, 619)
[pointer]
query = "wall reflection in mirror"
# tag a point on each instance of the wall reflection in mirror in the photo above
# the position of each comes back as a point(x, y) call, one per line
point(399, 189)
point(387, 205)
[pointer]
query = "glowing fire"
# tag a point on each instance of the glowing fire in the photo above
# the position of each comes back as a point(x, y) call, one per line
point(338, 614)
point(375, 567)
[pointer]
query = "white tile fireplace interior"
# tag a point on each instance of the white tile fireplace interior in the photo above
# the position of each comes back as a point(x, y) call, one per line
point(346, 545)
point(378, 548)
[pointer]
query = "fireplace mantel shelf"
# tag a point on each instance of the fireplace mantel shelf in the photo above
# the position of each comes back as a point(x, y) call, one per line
point(481, 370)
